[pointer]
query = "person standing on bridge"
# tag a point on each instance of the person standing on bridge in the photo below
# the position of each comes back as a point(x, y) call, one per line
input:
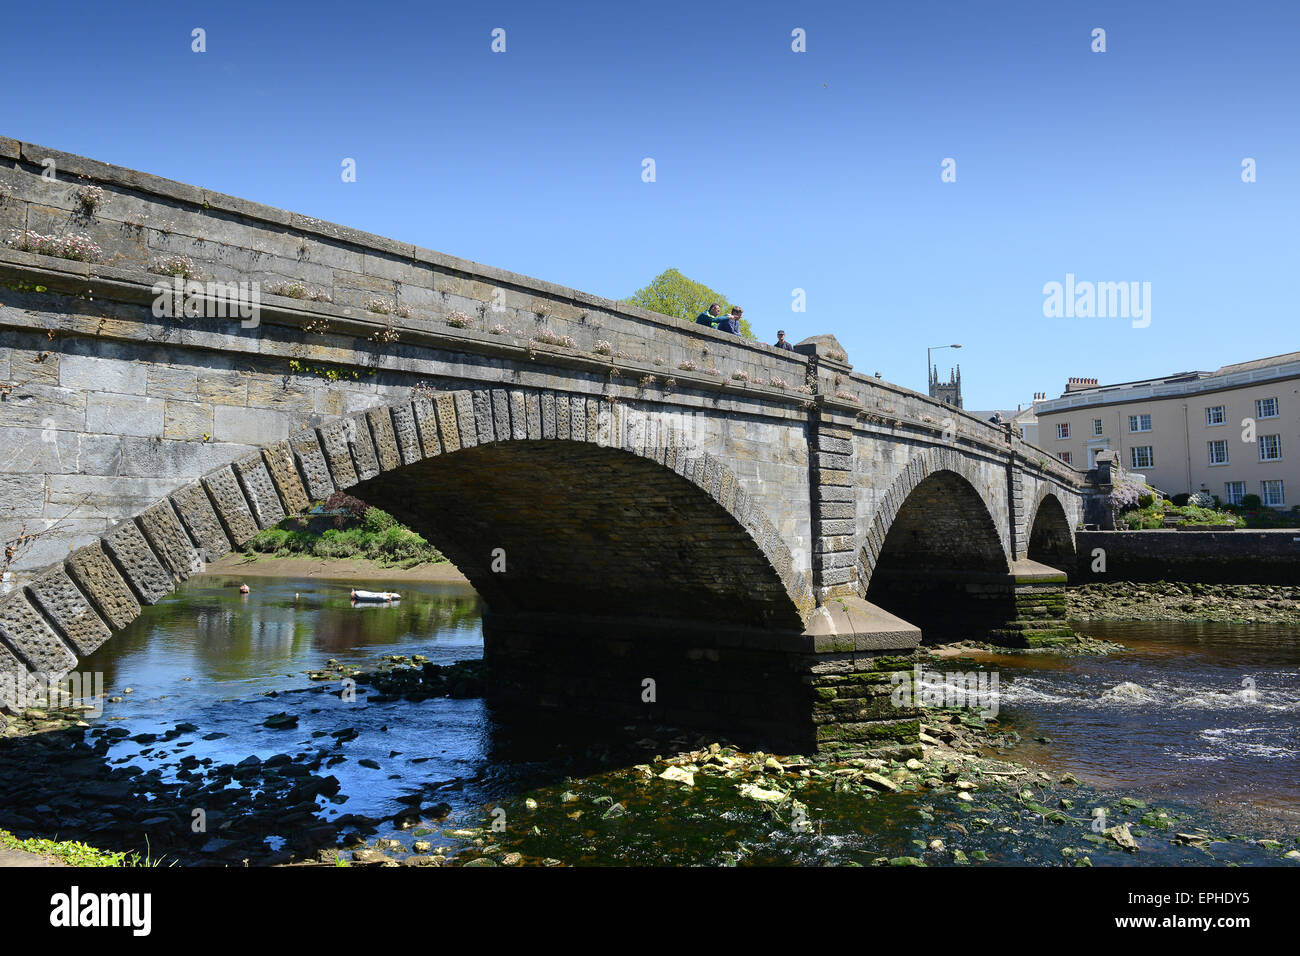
point(709, 317)
point(781, 342)
point(731, 323)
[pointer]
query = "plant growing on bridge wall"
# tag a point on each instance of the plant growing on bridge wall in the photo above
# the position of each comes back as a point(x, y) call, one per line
point(688, 366)
point(72, 246)
point(296, 290)
point(385, 335)
point(741, 376)
point(89, 199)
point(332, 374)
point(551, 337)
point(498, 329)
point(383, 306)
point(847, 396)
point(648, 380)
point(776, 382)
point(604, 347)
point(459, 320)
point(174, 266)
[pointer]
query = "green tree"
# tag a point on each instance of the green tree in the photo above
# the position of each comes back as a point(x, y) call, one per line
point(671, 293)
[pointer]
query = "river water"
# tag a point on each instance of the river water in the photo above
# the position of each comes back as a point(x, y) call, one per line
point(1196, 720)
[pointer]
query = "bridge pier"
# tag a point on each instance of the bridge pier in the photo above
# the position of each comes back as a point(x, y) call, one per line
point(1021, 608)
point(827, 690)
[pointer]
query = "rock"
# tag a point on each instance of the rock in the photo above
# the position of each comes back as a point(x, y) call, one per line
point(1121, 835)
point(422, 846)
point(614, 812)
point(752, 792)
point(370, 856)
point(281, 721)
point(880, 783)
point(482, 861)
point(906, 861)
point(965, 797)
point(530, 803)
point(512, 859)
point(678, 775)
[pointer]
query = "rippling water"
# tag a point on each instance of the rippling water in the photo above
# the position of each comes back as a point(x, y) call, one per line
point(1206, 713)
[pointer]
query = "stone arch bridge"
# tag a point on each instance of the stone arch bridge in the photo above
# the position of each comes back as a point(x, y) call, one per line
point(695, 528)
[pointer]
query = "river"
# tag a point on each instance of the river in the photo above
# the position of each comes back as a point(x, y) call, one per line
point(1196, 720)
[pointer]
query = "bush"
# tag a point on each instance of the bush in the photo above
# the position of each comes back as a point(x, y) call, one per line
point(1201, 499)
point(1180, 500)
point(375, 520)
point(1252, 502)
point(1146, 500)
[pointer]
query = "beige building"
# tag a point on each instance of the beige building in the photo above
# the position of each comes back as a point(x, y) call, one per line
point(1232, 432)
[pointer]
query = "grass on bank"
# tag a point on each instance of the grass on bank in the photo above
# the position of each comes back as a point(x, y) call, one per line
point(72, 853)
point(346, 528)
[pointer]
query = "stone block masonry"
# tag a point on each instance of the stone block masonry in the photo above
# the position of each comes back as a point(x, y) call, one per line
point(1240, 556)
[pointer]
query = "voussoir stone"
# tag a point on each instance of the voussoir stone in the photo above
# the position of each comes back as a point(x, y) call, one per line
point(231, 505)
point(279, 460)
point(381, 430)
point(483, 416)
point(426, 423)
point(26, 632)
point(100, 581)
point(164, 533)
point(406, 433)
point(448, 431)
point(334, 445)
point(127, 546)
point(466, 425)
point(357, 431)
point(313, 467)
point(71, 611)
point(195, 511)
point(259, 489)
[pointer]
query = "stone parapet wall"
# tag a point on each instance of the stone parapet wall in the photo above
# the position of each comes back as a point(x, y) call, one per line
point(144, 218)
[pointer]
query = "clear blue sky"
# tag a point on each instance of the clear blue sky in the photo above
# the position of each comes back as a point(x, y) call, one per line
point(775, 170)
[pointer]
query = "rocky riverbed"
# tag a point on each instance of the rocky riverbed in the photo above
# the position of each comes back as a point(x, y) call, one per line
point(1173, 601)
point(646, 795)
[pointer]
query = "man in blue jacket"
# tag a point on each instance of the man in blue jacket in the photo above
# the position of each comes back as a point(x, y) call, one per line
point(731, 323)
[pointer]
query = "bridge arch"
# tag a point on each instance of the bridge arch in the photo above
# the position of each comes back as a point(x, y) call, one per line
point(1051, 537)
point(960, 530)
point(474, 471)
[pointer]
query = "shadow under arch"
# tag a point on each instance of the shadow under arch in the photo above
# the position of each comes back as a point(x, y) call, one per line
point(573, 528)
point(935, 557)
point(1051, 540)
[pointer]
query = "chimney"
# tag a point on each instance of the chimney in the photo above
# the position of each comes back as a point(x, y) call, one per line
point(1079, 384)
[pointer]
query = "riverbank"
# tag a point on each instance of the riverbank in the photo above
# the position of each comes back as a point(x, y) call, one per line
point(332, 569)
point(1173, 601)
